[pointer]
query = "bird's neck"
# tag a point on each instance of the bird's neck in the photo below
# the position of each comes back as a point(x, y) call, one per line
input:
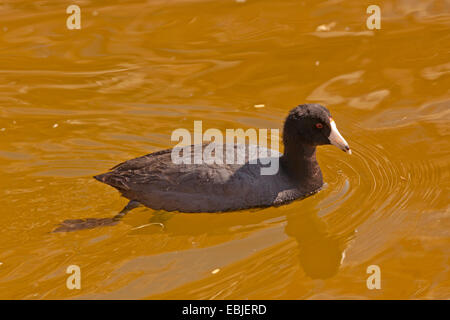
point(299, 161)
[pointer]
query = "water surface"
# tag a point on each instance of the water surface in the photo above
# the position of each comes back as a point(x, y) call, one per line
point(74, 103)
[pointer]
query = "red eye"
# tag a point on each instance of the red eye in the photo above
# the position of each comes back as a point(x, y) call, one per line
point(319, 125)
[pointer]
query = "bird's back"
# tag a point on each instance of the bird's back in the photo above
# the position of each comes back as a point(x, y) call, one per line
point(158, 182)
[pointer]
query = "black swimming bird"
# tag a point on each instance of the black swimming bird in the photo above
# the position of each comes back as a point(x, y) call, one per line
point(155, 181)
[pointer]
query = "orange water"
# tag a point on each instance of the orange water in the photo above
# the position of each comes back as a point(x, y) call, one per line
point(73, 103)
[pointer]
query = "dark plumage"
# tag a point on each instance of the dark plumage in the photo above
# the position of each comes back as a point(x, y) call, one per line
point(157, 182)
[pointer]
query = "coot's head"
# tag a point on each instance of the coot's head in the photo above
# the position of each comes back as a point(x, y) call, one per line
point(312, 124)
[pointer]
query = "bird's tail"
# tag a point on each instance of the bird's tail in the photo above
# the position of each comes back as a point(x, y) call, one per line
point(113, 179)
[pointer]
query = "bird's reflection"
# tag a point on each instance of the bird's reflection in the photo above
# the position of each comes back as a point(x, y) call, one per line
point(319, 252)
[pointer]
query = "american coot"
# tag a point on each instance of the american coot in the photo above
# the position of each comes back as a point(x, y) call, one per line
point(155, 181)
